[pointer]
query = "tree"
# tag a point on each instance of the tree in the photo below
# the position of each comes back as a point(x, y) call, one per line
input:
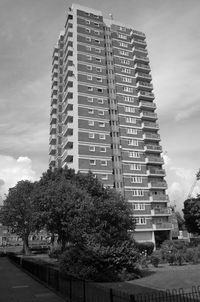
point(192, 215)
point(180, 221)
point(17, 211)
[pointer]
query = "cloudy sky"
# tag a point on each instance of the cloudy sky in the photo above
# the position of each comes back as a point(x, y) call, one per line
point(28, 32)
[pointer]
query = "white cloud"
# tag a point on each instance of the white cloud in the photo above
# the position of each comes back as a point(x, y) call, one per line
point(13, 170)
point(187, 113)
point(181, 182)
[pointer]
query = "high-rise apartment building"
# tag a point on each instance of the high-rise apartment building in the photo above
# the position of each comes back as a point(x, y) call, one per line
point(103, 115)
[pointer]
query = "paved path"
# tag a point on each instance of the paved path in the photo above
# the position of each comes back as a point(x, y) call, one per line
point(17, 286)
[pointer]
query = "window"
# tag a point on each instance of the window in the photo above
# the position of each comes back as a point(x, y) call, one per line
point(87, 21)
point(131, 120)
point(122, 28)
point(127, 80)
point(91, 135)
point(131, 131)
point(99, 69)
point(99, 79)
point(122, 36)
point(89, 58)
point(104, 176)
point(135, 167)
point(92, 148)
point(97, 41)
point(128, 89)
point(89, 77)
point(92, 162)
point(97, 32)
point(140, 220)
point(138, 192)
point(134, 154)
point(96, 24)
point(91, 123)
point(89, 67)
point(100, 90)
point(90, 100)
point(88, 39)
point(132, 142)
point(103, 162)
point(97, 50)
point(87, 30)
point(136, 179)
point(122, 44)
point(124, 53)
point(103, 149)
point(130, 109)
point(101, 124)
point(126, 70)
point(90, 88)
point(123, 61)
point(88, 48)
point(102, 136)
point(128, 99)
point(139, 206)
point(91, 111)
point(101, 112)
point(98, 59)
point(100, 101)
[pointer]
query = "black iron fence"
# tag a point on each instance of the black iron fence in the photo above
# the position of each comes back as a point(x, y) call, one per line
point(76, 290)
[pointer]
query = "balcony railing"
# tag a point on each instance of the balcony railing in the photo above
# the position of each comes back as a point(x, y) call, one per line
point(156, 172)
point(144, 85)
point(148, 114)
point(146, 104)
point(151, 136)
point(154, 159)
point(138, 33)
point(143, 75)
point(139, 41)
point(159, 197)
point(161, 211)
point(158, 184)
point(146, 95)
point(142, 66)
point(149, 125)
point(153, 148)
point(138, 58)
point(162, 226)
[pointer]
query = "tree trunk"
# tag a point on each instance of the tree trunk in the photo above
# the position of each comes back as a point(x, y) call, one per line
point(26, 249)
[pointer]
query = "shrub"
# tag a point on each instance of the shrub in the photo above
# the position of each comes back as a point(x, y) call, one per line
point(143, 247)
point(155, 258)
point(55, 252)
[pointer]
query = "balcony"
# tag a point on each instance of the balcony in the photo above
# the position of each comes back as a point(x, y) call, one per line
point(68, 105)
point(139, 42)
point(144, 85)
point(157, 185)
point(68, 129)
point(67, 155)
point(140, 59)
point(143, 76)
point(136, 33)
point(52, 150)
point(53, 119)
point(161, 212)
point(154, 160)
point(54, 100)
point(153, 148)
point(142, 67)
point(53, 129)
point(151, 136)
point(150, 125)
point(68, 142)
point(147, 105)
point(140, 49)
point(52, 139)
point(162, 226)
point(68, 119)
point(148, 115)
point(145, 95)
point(159, 198)
point(156, 172)
point(53, 109)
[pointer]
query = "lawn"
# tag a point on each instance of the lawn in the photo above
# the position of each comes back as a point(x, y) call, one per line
point(162, 278)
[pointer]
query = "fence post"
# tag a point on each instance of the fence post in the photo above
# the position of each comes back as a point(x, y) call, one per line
point(111, 295)
point(84, 294)
point(70, 289)
point(132, 298)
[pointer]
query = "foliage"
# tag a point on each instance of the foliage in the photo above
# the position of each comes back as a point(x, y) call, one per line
point(180, 220)
point(100, 263)
point(145, 247)
point(18, 212)
point(155, 259)
point(192, 215)
point(55, 252)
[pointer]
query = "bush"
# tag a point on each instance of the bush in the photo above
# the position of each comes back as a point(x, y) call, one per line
point(100, 263)
point(55, 252)
point(143, 247)
point(155, 258)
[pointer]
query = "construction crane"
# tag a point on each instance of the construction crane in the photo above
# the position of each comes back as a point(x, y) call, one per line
point(194, 184)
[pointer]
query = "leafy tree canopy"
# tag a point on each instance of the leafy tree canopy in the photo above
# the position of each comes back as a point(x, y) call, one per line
point(17, 211)
point(192, 215)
